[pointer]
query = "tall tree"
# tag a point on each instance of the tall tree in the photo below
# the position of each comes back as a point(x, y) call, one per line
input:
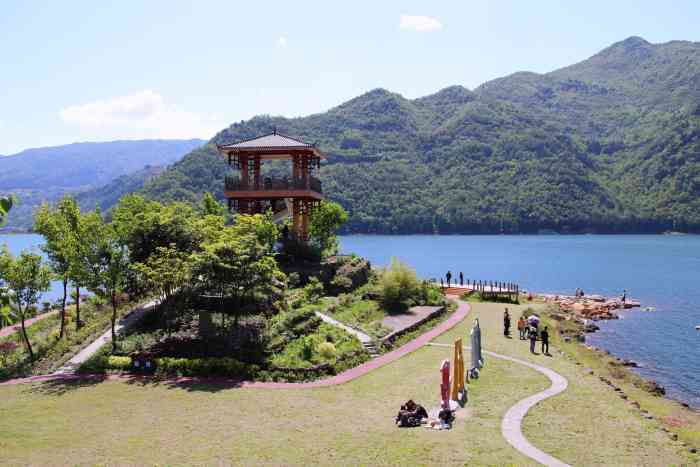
point(60, 244)
point(27, 276)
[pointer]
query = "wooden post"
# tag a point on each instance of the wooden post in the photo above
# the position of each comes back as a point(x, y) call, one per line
point(244, 170)
point(256, 169)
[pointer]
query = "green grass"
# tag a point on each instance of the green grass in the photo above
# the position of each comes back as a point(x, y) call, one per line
point(121, 422)
point(366, 315)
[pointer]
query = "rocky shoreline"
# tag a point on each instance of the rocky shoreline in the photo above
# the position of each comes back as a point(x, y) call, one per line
point(578, 316)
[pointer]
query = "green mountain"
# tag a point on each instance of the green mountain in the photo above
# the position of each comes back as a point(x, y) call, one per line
point(45, 174)
point(611, 144)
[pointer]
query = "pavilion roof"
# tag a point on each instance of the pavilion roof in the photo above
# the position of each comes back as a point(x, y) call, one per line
point(271, 142)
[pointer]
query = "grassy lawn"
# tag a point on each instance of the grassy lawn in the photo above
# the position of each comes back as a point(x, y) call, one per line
point(122, 422)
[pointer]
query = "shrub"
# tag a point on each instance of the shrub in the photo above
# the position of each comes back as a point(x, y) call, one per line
point(327, 350)
point(342, 283)
point(293, 280)
point(307, 349)
point(7, 348)
point(313, 291)
point(398, 286)
point(223, 366)
point(118, 363)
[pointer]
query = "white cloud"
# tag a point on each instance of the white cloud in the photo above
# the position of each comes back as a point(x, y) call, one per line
point(420, 23)
point(144, 114)
point(281, 42)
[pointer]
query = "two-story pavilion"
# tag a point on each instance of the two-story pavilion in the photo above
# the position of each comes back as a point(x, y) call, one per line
point(251, 193)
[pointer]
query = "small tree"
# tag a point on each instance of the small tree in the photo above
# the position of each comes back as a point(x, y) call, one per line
point(27, 276)
point(168, 272)
point(109, 264)
point(326, 219)
point(237, 266)
point(398, 286)
point(211, 207)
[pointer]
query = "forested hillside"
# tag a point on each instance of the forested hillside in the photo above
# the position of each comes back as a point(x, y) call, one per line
point(45, 174)
point(611, 144)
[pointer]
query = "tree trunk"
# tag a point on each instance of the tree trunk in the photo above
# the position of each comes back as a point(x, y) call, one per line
point(63, 308)
point(77, 307)
point(114, 322)
point(26, 338)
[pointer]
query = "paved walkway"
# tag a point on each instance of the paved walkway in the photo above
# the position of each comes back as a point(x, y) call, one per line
point(511, 426)
point(6, 331)
point(123, 324)
point(364, 338)
point(400, 321)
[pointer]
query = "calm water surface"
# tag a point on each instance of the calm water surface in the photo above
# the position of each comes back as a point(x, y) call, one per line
point(661, 271)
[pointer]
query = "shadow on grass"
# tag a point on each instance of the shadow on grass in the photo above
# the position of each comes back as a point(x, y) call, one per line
point(187, 383)
point(61, 385)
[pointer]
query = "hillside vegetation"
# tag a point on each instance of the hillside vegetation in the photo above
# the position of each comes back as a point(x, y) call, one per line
point(610, 144)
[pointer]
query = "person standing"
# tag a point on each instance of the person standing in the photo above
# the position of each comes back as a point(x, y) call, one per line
point(461, 278)
point(448, 276)
point(521, 328)
point(624, 296)
point(533, 338)
point(506, 323)
point(544, 336)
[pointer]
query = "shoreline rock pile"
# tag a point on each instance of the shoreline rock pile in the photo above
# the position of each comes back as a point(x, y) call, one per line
point(592, 307)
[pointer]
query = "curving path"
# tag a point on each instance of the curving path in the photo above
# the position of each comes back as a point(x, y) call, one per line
point(511, 426)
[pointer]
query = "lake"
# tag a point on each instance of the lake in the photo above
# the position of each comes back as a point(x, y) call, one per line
point(662, 271)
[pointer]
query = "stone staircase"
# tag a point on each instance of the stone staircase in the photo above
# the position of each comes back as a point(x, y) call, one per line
point(372, 349)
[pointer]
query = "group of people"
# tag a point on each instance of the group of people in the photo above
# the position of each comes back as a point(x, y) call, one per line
point(528, 329)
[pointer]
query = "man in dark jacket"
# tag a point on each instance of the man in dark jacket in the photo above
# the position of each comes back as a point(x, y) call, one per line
point(544, 335)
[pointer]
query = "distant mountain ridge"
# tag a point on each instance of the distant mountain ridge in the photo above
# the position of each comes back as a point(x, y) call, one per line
point(45, 174)
point(610, 144)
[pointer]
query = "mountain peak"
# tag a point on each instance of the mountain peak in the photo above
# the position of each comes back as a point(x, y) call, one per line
point(632, 42)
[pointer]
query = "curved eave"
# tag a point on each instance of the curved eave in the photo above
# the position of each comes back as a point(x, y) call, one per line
point(271, 152)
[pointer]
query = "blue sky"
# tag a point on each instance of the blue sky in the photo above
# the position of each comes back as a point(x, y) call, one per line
point(96, 71)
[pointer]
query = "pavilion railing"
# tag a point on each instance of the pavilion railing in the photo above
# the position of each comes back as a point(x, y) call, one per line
point(235, 183)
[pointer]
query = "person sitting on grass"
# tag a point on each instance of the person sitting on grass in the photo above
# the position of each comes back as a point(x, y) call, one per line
point(533, 339)
point(544, 335)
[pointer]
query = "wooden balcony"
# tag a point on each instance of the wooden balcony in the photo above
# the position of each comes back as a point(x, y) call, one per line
point(273, 188)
